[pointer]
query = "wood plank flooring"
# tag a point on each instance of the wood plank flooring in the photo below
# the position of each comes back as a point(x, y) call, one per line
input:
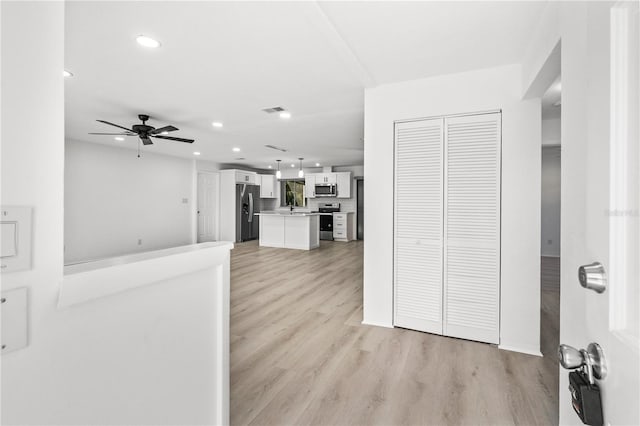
point(550, 273)
point(300, 355)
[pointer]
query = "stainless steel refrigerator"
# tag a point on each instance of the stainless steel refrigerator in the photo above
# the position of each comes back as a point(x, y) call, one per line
point(247, 204)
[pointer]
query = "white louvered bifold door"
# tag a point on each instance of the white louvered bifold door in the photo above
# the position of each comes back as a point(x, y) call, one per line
point(418, 225)
point(472, 227)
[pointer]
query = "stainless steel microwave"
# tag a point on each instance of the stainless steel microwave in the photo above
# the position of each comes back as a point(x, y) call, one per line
point(326, 190)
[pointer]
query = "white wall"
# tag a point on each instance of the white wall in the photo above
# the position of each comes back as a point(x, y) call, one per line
point(550, 203)
point(140, 357)
point(113, 199)
point(551, 131)
point(488, 89)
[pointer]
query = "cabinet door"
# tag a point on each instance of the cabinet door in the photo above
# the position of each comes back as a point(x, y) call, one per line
point(418, 227)
point(246, 177)
point(267, 186)
point(472, 227)
point(326, 177)
point(343, 184)
point(310, 185)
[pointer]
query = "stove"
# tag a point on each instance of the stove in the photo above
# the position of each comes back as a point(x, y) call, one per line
point(326, 220)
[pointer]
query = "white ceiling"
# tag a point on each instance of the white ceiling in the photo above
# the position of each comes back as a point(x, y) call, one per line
point(226, 61)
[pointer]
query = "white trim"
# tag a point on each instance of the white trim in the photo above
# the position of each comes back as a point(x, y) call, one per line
point(464, 114)
point(520, 350)
point(376, 324)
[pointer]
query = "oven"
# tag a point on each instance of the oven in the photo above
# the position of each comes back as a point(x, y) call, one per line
point(326, 219)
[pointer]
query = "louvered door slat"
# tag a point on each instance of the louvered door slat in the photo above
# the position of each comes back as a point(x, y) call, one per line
point(418, 208)
point(472, 227)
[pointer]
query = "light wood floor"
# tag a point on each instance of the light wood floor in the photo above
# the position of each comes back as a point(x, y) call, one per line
point(300, 356)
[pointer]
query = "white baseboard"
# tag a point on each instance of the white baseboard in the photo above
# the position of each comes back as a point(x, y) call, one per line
point(377, 324)
point(521, 350)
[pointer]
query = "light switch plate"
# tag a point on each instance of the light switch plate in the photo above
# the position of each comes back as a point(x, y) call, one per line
point(14, 319)
point(15, 230)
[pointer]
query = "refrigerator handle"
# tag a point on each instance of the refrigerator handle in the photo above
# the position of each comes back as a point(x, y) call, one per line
point(250, 207)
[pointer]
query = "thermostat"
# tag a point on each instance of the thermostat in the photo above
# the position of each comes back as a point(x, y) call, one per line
point(15, 236)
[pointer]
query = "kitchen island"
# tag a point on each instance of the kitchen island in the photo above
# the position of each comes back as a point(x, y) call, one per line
point(293, 230)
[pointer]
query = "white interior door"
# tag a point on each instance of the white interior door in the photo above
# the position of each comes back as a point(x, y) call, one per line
point(207, 206)
point(418, 225)
point(600, 191)
point(472, 227)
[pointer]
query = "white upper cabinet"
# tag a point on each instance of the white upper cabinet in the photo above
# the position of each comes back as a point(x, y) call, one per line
point(310, 185)
point(326, 178)
point(247, 177)
point(267, 186)
point(343, 184)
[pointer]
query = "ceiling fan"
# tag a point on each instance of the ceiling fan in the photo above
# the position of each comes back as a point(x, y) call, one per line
point(145, 132)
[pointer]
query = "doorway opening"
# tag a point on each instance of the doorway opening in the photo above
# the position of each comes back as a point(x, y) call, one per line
point(360, 208)
point(550, 220)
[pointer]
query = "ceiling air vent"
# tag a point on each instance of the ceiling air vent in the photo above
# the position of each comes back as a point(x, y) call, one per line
point(273, 110)
point(276, 148)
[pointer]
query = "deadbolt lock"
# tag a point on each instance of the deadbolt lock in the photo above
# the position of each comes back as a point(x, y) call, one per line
point(593, 277)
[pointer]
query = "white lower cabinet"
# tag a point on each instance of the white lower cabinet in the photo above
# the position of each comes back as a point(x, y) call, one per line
point(343, 226)
point(447, 226)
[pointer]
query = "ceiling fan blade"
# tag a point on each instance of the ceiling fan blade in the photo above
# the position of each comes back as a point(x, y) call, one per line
point(115, 125)
point(146, 140)
point(163, 129)
point(116, 134)
point(171, 138)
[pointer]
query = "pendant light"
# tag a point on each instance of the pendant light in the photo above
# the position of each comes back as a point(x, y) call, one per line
point(278, 173)
point(300, 171)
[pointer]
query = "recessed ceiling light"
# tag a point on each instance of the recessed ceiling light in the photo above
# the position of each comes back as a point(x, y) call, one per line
point(317, 164)
point(119, 138)
point(270, 166)
point(164, 133)
point(217, 124)
point(285, 114)
point(236, 149)
point(147, 41)
point(196, 153)
point(293, 165)
point(66, 73)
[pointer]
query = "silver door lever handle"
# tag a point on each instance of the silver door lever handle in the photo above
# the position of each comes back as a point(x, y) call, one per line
point(593, 358)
